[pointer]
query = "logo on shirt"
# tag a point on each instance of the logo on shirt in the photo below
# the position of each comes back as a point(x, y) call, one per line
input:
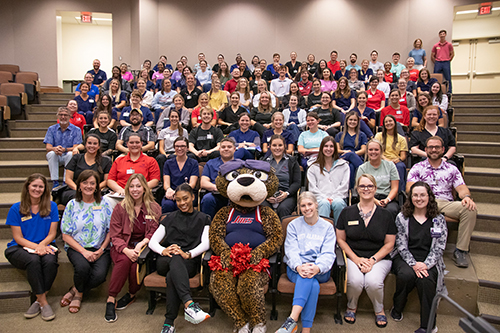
point(242, 220)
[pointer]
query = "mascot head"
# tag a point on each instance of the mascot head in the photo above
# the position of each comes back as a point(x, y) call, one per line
point(246, 183)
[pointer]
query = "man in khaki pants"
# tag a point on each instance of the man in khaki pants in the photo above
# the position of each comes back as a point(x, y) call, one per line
point(443, 177)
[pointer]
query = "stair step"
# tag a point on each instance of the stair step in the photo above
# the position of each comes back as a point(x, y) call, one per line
point(485, 193)
point(475, 96)
point(5, 232)
point(13, 184)
point(59, 102)
point(484, 117)
point(482, 160)
point(484, 242)
point(27, 154)
point(475, 126)
point(30, 123)
point(471, 147)
point(476, 102)
point(24, 168)
point(487, 267)
point(479, 136)
point(28, 132)
point(50, 116)
point(475, 176)
point(14, 297)
point(488, 217)
point(22, 142)
point(467, 109)
point(489, 312)
point(52, 96)
point(45, 108)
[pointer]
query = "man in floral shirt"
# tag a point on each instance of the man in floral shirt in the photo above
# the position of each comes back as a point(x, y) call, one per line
point(443, 177)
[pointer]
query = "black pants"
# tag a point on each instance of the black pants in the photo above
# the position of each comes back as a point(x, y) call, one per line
point(88, 275)
point(207, 158)
point(406, 280)
point(41, 270)
point(392, 206)
point(178, 272)
point(333, 131)
point(285, 208)
point(67, 195)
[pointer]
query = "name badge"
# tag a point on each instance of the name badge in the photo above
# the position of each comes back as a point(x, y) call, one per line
point(97, 208)
point(126, 114)
point(130, 171)
point(25, 218)
point(148, 217)
point(353, 222)
point(295, 71)
point(210, 136)
point(398, 112)
point(301, 88)
point(402, 100)
point(199, 117)
point(268, 139)
point(188, 97)
point(370, 96)
point(91, 101)
point(435, 232)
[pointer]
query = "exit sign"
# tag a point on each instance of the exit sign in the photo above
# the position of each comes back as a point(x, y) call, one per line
point(86, 17)
point(485, 9)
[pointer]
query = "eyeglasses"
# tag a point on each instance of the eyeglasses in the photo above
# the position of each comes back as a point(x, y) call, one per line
point(434, 147)
point(366, 187)
point(417, 196)
point(180, 147)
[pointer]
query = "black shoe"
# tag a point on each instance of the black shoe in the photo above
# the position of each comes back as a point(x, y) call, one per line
point(110, 315)
point(125, 301)
point(397, 316)
point(460, 258)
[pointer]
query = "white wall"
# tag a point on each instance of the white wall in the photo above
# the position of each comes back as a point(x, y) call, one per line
point(80, 45)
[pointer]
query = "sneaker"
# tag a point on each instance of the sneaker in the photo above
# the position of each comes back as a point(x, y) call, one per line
point(194, 314)
point(397, 316)
point(245, 329)
point(110, 315)
point(33, 311)
point(424, 330)
point(47, 313)
point(168, 329)
point(460, 258)
point(288, 326)
point(260, 328)
point(125, 301)
point(55, 183)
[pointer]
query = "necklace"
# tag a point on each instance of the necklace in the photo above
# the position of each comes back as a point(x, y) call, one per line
point(364, 216)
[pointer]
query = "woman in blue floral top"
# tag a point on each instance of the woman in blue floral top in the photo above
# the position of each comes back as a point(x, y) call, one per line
point(85, 231)
point(418, 260)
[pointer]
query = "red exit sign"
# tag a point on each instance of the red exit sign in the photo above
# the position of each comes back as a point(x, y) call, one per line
point(86, 17)
point(485, 9)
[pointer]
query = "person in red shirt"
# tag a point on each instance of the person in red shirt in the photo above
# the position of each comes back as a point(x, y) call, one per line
point(400, 112)
point(333, 64)
point(442, 55)
point(376, 98)
point(231, 84)
point(410, 63)
point(305, 84)
point(76, 119)
point(388, 76)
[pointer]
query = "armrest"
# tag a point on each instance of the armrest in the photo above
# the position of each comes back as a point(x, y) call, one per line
point(144, 255)
point(207, 255)
point(339, 271)
point(58, 191)
point(339, 254)
point(24, 98)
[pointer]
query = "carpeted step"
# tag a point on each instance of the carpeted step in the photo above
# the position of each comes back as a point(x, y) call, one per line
point(59, 102)
point(43, 116)
point(5, 232)
point(475, 147)
point(13, 143)
point(44, 108)
point(60, 96)
point(481, 117)
point(25, 168)
point(468, 109)
point(485, 194)
point(476, 102)
point(482, 160)
point(485, 242)
point(487, 267)
point(476, 126)
point(23, 154)
point(478, 136)
point(490, 312)
point(475, 96)
point(488, 217)
point(30, 123)
point(14, 296)
point(12, 184)
point(482, 176)
point(28, 132)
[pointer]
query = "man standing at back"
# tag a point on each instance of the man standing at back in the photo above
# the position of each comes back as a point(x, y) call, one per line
point(98, 75)
point(442, 55)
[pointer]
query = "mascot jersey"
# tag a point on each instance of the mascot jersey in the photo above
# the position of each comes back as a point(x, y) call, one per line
point(245, 228)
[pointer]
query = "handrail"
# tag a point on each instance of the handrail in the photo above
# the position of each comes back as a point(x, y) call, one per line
point(474, 73)
point(471, 324)
point(461, 74)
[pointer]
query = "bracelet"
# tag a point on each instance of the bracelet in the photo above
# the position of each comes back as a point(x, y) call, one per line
point(467, 196)
point(446, 157)
point(374, 259)
point(389, 199)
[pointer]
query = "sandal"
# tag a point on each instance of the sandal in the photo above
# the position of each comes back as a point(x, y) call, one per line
point(381, 318)
point(75, 308)
point(68, 297)
point(351, 315)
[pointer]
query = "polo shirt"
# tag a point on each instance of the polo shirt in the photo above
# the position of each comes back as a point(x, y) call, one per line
point(339, 74)
point(334, 67)
point(305, 88)
point(78, 120)
point(67, 139)
point(146, 114)
point(365, 76)
point(442, 51)
point(414, 74)
point(99, 78)
point(177, 176)
point(397, 68)
point(248, 136)
point(196, 114)
point(402, 115)
point(92, 92)
point(85, 105)
point(122, 97)
point(190, 97)
point(146, 134)
point(124, 167)
point(211, 169)
point(280, 87)
point(368, 113)
point(374, 100)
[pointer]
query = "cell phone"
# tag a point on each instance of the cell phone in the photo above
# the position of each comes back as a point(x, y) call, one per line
point(277, 194)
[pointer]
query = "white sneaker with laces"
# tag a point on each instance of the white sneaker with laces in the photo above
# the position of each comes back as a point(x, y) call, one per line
point(194, 314)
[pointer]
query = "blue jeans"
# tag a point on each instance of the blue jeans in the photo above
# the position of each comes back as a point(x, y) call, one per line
point(444, 67)
point(401, 167)
point(354, 162)
point(306, 294)
point(337, 205)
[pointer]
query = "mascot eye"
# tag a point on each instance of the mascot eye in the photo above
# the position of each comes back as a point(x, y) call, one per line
point(261, 175)
point(232, 176)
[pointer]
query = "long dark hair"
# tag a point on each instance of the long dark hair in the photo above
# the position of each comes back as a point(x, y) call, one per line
point(321, 157)
point(44, 205)
point(432, 208)
point(98, 154)
point(86, 174)
point(394, 134)
point(346, 129)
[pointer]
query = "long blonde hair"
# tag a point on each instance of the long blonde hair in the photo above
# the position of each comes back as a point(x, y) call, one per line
point(118, 92)
point(147, 199)
point(44, 205)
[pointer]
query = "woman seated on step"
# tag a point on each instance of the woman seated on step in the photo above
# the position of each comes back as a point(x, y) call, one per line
point(34, 221)
point(85, 230)
point(308, 263)
point(180, 240)
point(418, 261)
point(133, 223)
point(366, 233)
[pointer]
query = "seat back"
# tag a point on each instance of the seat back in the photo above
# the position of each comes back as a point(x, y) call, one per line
point(5, 77)
point(438, 77)
point(9, 68)
point(11, 89)
point(27, 77)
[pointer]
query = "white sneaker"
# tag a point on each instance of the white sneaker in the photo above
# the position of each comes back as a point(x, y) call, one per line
point(260, 328)
point(245, 329)
point(194, 314)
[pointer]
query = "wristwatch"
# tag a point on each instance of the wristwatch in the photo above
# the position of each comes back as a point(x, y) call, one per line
point(374, 259)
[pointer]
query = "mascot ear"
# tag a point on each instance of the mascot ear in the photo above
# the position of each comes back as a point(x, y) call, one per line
point(221, 182)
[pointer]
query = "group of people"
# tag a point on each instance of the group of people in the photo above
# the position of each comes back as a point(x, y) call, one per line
point(325, 125)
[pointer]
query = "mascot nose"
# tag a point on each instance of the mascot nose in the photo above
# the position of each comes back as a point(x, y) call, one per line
point(245, 181)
